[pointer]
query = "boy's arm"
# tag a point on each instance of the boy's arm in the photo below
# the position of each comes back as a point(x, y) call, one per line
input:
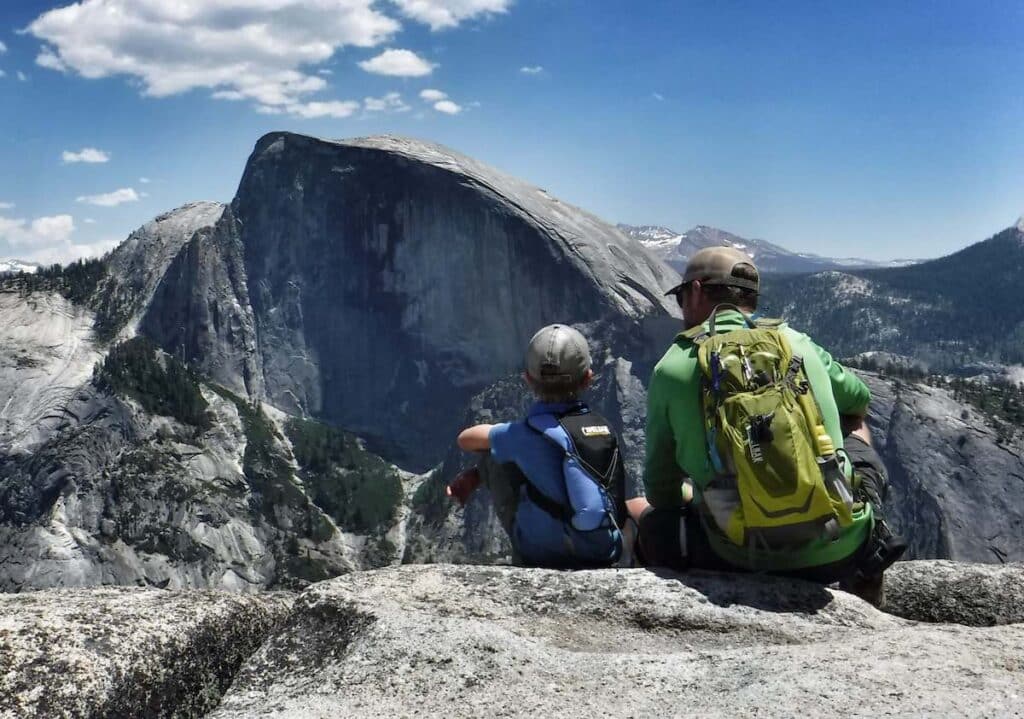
point(476, 438)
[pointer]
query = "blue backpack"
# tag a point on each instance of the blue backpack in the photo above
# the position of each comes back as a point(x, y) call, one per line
point(594, 477)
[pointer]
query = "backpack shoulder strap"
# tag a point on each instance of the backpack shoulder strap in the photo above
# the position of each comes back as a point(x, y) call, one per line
point(552, 429)
point(548, 427)
point(697, 335)
point(769, 323)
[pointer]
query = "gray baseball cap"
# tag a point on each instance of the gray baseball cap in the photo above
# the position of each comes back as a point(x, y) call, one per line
point(714, 266)
point(557, 354)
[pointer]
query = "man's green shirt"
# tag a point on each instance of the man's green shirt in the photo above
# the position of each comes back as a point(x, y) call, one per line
point(677, 448)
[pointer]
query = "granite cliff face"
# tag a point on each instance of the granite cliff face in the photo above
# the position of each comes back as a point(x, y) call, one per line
point(391, 280)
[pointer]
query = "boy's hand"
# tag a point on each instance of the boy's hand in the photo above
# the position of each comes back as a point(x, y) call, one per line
point(463, 485)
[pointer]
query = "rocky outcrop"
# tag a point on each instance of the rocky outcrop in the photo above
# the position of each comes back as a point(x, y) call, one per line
point(474, 641)
point(979, 595)
point(124, 495)
point(126, 652)
point(956, 491)
point(200, 311)
point(137, 266)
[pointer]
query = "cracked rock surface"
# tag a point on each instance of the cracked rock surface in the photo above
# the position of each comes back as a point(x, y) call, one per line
point(123, 652)
point(499, 641)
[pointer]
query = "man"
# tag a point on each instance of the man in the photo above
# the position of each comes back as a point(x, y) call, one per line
point(686, 452)
point(557, 478)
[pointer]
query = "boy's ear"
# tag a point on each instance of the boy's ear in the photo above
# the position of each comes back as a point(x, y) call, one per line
point(587, 379)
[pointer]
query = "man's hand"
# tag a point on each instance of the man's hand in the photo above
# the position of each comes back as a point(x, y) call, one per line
point(463, 485)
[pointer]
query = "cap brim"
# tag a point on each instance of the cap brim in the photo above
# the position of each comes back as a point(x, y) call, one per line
point(675, 290)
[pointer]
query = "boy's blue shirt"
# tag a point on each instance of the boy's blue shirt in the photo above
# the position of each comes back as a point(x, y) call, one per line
point(537, 536)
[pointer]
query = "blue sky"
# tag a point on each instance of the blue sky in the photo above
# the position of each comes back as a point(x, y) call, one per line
point(838, 128)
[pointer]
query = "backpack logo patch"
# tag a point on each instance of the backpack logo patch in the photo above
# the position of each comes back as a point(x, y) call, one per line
point(597, 430)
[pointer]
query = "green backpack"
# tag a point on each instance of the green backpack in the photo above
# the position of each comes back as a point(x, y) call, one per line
point(778, 480)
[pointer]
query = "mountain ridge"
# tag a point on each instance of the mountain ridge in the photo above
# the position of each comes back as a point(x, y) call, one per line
point(676, 248)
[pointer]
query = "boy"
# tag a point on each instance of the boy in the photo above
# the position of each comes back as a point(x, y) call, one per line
point(557, 479)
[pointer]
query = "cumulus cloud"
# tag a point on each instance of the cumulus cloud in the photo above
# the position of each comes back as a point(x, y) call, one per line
point(144, 180)
point(67, 251)
point(239, 49)
point(334, 108)
point(48, 59)
point(398, 63)
point(431, 95)
point(3, 74)
point(444, 14)
point(531, 69)
point(658, 96)
point(110, 199)
point(391, 102)
point(89, 221)
point(3, 48)
point(6, 205)
point(86, 154)
point(41, 232)
point(447, 107)
point(22, 76)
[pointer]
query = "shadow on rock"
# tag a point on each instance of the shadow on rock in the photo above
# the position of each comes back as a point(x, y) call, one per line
point(764, 592)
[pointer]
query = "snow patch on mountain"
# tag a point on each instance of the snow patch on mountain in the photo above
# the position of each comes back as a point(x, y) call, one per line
point(676, 249)
point(15, 266)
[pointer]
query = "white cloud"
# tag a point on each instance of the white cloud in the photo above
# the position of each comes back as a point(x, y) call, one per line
point(86, 154)
point(6, 205)
point(253, 49)
point(3, 74)
point(447, 107)
point(532, 69)
point(41, 232)
point(443, 14)
point(65, 252)
point(89, 221)
point(110, 199)
point(145, 180)
point(325, 71)
point(398, 63)
point(658, 96)
point(334, 108)
point(48, 59)
point(22, 76)
point(3, 48)
point(431, 95)
point(392, 102)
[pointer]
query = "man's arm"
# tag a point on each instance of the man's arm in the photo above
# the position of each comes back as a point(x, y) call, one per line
point(476, 438)
point(661, 473)
point(851, 394)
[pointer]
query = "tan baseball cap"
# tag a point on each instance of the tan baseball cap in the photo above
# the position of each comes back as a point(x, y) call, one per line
point(715, 266)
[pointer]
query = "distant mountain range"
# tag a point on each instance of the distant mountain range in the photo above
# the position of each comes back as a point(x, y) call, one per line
point(17, 266)
point(950, 313)
point(675, 249)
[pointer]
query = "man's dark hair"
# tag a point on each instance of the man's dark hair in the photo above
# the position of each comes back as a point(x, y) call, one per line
point(739, 296)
